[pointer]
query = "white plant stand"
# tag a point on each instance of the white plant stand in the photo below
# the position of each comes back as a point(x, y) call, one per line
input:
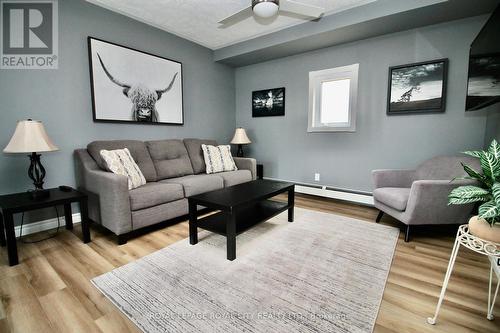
point(484, 247)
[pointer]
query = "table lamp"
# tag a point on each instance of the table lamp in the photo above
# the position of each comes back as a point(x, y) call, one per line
point(240, 138)
point(30, 137)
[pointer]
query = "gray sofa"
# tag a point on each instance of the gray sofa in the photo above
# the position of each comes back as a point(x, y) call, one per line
point(420, 196)
point(174, 170)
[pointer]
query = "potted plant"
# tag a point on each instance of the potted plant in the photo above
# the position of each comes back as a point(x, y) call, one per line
point(486, 224)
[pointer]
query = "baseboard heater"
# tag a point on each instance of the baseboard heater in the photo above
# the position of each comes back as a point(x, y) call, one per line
point(359, 197)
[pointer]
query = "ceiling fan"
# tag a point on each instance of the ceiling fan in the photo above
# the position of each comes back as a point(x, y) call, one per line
point(269, 8)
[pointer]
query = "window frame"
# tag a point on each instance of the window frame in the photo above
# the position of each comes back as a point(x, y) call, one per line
point(316, 78)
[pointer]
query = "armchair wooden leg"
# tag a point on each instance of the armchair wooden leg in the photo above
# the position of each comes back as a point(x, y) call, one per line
point(407, 234)
point(379, 216)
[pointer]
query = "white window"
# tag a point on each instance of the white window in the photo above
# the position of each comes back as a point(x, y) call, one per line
point(333, 94)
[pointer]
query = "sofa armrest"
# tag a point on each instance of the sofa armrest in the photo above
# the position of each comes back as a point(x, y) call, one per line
point(112, 190)
point(428, 202)
point(244, 163)
point(393, 178)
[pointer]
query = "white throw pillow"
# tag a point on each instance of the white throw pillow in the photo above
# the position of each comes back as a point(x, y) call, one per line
point(218, 158)
point(120, 161)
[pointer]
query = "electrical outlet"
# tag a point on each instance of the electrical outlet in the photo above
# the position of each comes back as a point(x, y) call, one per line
point(316, 177)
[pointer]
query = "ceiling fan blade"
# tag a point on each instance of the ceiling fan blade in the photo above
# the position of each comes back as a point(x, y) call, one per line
point(236, 17)
point(301, 9)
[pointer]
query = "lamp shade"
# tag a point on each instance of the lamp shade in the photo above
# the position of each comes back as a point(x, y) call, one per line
point(30, 137)
point(240, 137)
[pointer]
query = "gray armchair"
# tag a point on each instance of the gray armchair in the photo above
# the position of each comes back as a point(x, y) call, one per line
point(417, 197)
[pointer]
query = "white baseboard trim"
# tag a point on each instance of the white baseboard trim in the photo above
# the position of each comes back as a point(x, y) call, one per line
point(360, 198)
point(35, 227)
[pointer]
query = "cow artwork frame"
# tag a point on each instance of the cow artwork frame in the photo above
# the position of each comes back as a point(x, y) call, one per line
point(133, 86)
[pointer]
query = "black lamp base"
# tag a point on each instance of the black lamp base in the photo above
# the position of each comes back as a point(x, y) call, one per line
point(36, 172)
point(239, 153)
point(39, 194)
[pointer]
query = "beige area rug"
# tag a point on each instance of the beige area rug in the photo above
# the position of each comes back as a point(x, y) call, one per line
point(321, 273)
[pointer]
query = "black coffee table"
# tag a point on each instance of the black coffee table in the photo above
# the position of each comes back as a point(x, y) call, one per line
point(240, 208)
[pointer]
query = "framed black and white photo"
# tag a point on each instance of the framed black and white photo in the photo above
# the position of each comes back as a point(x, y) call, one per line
point(132, 86)
point(268, 103)
point(417, 88)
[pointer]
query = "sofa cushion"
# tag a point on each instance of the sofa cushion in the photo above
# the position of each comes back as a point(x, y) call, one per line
point(120, 162)
point(170, 158)
point(218, 158)
point(196, 184)
point(137, 149)
point(193, 147)
point(149, 216)
point(235, 177)
point(394, 197)
point(154, 194)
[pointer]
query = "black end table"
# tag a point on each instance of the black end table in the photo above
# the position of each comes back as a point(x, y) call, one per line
point(260, 171)
point(11, 204)
point(241, 207)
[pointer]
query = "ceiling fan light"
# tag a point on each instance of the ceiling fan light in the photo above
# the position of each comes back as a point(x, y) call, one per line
point(265, 9)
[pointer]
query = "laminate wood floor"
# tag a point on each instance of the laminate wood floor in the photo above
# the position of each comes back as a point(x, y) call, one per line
point(50, 290)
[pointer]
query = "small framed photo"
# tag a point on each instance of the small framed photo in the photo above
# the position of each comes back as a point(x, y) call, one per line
point(268, 103)
point(417, 88)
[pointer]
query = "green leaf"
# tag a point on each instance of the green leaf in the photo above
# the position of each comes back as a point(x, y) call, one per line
point(468, 191)
point(489, 210)
point(495, 190)
point(463, 201)
point(477, 153)
point(462, 178)
point(471, 172)
point(494, 149)
point(476, 175)
point(490, 165)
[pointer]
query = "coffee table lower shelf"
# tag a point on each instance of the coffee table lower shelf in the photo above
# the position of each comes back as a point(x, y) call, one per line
point(239, 208)
point(246, 218)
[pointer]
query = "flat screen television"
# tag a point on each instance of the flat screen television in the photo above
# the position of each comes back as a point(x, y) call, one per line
point(483, 87)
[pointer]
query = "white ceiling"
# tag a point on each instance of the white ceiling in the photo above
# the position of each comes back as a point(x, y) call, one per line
point(196, 20)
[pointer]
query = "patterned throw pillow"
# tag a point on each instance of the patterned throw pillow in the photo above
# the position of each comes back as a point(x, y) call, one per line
point(120, 161)
point(218, 158)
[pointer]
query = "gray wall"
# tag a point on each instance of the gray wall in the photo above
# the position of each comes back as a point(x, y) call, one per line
point(61, 98)
point(345, 160)
point(492, 125)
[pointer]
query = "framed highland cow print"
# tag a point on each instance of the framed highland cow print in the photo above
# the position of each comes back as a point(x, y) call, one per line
point(132, 86)
point(417, 88)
